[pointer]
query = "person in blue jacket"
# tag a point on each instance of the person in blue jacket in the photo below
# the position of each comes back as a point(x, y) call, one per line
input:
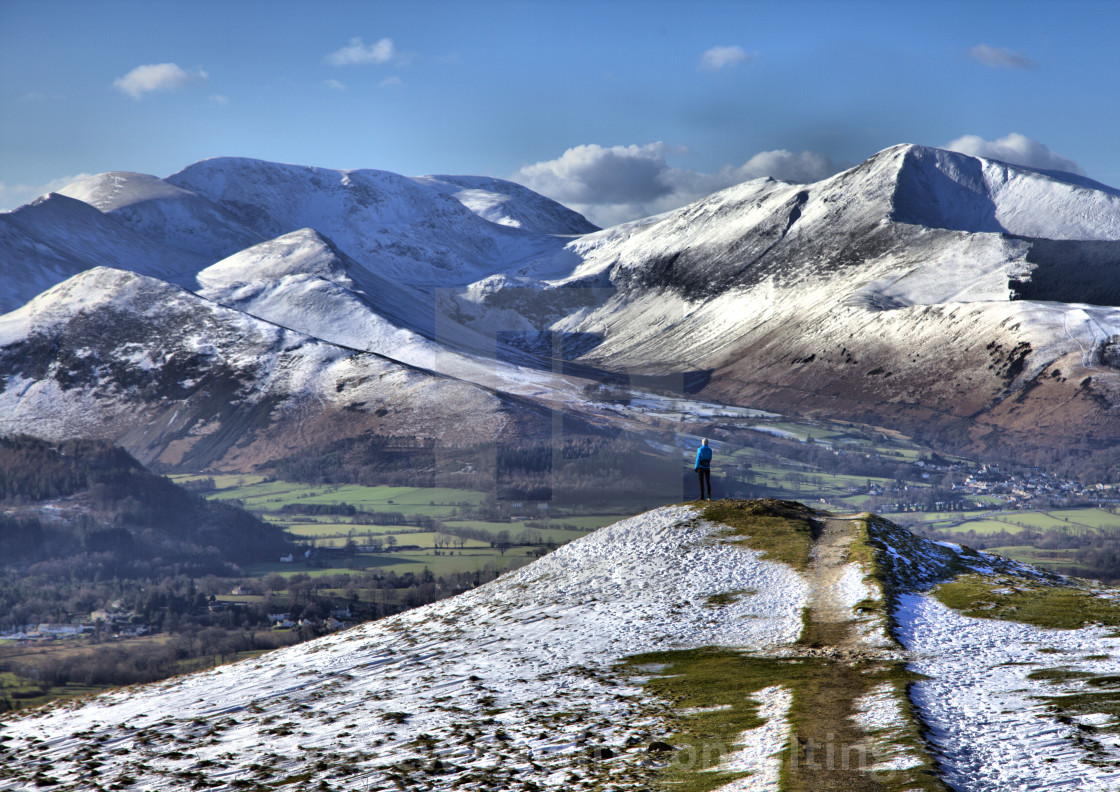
point(703, 468)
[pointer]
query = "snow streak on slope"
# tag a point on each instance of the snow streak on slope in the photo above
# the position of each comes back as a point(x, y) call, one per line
point(507, 684)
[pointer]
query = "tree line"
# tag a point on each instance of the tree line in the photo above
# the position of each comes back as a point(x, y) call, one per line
point(118, 518)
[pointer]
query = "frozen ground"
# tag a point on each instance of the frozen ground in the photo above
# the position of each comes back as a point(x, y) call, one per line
point(988, 720)
point(517, 683)
point(509, 682)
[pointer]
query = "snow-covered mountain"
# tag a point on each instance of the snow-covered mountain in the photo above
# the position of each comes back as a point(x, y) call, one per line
point(509, 204)
point(967, 301)
point(665, 647)
point(56, 237)
point(893, 291)
point(181, 380)
point(302, 281)
point(164, 213)
point(414, 231)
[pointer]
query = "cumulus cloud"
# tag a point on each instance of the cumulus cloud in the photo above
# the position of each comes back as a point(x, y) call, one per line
point(1000, 57)
point(594, 174)
point(1016, 149)
point(610, 185)
point(804, 166)
point(13, 195)
point(357, 53)
point(720, 57)
point(335, 85)
point(156, 77)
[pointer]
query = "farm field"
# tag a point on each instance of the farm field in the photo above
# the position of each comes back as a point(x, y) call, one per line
point(440, 552)
point(1071, 521)
point(1041, 558)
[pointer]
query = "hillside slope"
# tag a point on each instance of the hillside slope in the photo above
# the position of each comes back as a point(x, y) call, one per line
point(57, 237)
point(892, 292)
point(179, 380)
point(90, 504)
point(741, 647)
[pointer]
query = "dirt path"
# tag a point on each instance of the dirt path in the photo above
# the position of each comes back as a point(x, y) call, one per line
point(826, 751)
point(830, 618)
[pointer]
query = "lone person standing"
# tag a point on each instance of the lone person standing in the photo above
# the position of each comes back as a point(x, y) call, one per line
point(703, 468)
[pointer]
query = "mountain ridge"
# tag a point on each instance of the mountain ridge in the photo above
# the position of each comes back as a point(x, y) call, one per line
point(178, 379)
point(814, 299)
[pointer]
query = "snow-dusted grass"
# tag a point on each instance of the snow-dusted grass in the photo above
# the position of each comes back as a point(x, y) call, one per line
point(882, 714)
point(509, 682)
point(731, 718)
point(1015, 599)
point(759, 750)
point(783, 530)
point(665, 628)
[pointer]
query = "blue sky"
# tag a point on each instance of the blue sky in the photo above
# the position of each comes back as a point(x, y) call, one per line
point(618, 108)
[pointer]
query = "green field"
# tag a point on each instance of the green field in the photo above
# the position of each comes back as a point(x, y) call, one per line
point(1042, 558)
point(991, 526)
point(1090, 518)
point(1069, 521)
point(267, 498)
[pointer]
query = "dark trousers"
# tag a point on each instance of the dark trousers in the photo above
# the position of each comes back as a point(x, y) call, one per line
point(705, 475)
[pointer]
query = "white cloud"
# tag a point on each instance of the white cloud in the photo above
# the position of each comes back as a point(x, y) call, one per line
point(156, 77)
point(13, 195)
point(218, 100)
point(594, 174)
point(357, 53)
point(610, 185)
point(389, 81)
point(1000, 57)
point(335, 85)
point(804, 166)
point(1016, 149)
point(719, 57)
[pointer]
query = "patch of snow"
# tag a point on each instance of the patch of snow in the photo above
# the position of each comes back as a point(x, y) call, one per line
point(880, 714)
point(509, 676)
point(776, 432)
point(987, 718)
point(759, 749)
